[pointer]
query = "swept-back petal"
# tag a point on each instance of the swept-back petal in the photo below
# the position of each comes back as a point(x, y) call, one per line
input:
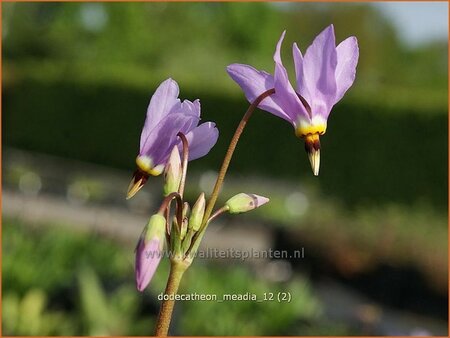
point(162, 103)
point(192, 108)
point(298, 64)
point(285, 95)
point(319, 65)
point(201, 139)
point(255, 82)
point(164, 136)
point(347, 59)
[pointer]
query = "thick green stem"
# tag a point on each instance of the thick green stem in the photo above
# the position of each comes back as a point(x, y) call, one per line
point(229, 155)
point(177, 270)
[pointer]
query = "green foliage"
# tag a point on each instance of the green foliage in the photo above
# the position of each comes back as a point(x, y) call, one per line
point(140, 44)
point(238, 317)
point(29, 315)
point(27, 252)
point(104, 314)
point(61, 282)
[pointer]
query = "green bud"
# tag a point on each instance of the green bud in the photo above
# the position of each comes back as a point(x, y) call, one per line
point(198, 210)
point(175, 238)
point(184, 227)
point(195, 247)
point(156, 227)
point(184, 224)
point(187, 240)
point(173, 172)
point(245, 202)
point(186, 210)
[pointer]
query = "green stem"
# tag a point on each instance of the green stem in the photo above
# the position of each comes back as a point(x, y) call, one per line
point(229, 155)
point(177, 270)
point(218, 213)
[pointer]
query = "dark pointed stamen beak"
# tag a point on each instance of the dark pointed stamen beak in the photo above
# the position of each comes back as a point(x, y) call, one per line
point(312, 147)
point(137, 182)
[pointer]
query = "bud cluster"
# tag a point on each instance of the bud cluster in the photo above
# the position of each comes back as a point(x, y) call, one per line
point(183, 231)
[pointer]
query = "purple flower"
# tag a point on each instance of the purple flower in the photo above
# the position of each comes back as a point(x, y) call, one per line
point(323, 76)
point(166, 117)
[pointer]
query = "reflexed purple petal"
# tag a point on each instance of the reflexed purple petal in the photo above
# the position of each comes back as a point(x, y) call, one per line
point(201, 140)
point(148, 257)
point(347, 59)
point(319, 65)
point(158, 139)
point(298, 64)
point(285, 95)
point(164, 136)
point(192, 108)
point(255, 82)
point(162, 102)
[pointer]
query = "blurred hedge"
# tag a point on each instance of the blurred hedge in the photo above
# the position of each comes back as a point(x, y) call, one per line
point(370, 153)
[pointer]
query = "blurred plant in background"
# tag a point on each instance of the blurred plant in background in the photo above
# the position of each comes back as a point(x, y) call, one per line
point(81, 290)
point(101, 61)
point(75, 79)
point(116, 44)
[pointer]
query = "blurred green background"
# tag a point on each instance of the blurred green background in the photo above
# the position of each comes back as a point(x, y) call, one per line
point(77, 78)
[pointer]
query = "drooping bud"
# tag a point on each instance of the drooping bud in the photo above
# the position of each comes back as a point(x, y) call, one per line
point(245, 202)
point(173, 172)
point(149, 250)
point(198, 210)
point(312, 147)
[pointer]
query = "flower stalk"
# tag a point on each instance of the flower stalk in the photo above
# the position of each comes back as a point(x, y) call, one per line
point(184, 164)
point(165, 206)
point(229, 154)
point(177, 270)
point(218, 212)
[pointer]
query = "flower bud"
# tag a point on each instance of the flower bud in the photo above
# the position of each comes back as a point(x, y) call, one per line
point(175, 238)
point(245, 202)
point(186, 210)
point(173, 172)
point(198, 210)
point(149, 250)
point(184, 224)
